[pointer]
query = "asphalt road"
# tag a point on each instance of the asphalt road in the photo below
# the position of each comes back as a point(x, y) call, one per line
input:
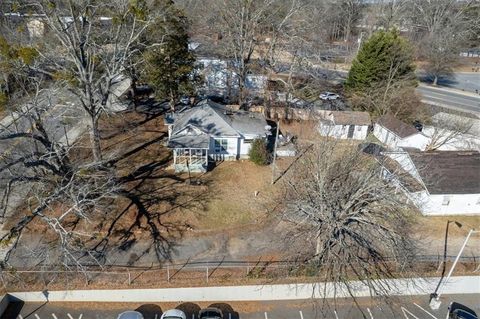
point(447, 98)
point(468, 82)
point(415, 307)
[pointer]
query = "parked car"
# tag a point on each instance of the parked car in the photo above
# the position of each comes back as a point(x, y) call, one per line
point(130, 315)
point(329, 96)
point(459, 311)
point(173, 314)
point(210, 313)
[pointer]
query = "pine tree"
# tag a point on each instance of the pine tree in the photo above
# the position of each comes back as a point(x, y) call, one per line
point(384, 57)
point(169, 64)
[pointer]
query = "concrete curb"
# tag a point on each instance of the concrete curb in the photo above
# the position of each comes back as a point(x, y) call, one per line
point(450, 90)
point(400, 287)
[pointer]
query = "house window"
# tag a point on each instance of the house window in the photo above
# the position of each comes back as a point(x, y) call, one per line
point(221, 145)
point(359, 128)
point(250, 141)
point(446, 200)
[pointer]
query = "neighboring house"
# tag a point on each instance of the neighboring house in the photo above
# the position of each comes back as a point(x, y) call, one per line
point(450, 132)
point(345, 124)
point(438, 182)
point(117, 99)
point(220, 78)
point(210, 132)
point(395, 133)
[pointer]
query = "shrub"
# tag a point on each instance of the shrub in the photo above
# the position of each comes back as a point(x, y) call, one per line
point(258, 152)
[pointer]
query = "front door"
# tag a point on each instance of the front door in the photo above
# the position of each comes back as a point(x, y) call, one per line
point(351, 129)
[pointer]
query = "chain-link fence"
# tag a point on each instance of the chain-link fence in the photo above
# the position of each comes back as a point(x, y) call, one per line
point(202, 273)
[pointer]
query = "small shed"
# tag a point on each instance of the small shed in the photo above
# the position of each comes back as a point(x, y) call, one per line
point(345, 124)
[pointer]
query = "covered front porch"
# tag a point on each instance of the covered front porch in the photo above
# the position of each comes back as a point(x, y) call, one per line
point(190, 159)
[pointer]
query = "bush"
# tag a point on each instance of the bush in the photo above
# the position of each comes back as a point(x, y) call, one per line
point(258, 152)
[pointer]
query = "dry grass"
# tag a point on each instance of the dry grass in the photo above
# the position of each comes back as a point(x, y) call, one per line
point(234, 204)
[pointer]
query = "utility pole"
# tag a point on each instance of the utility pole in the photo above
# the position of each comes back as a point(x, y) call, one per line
point(274, 166)
point(435, 301)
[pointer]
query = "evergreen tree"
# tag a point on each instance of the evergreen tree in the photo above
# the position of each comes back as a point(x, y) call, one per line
point(169, 64)
point(384, 57)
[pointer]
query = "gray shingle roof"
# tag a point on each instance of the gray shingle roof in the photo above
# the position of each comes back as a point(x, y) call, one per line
point(396, 126)
point(350, 118)
point(209, 119)
point(448, 172)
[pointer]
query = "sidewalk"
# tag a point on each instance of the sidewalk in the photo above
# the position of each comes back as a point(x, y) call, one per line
point(399, 287)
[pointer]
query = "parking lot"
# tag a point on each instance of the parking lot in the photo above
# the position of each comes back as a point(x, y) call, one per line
point(405, 307)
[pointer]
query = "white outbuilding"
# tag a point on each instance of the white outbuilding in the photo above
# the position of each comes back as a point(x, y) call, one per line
point(395, 134)
point(438, 182)
point(345, 124)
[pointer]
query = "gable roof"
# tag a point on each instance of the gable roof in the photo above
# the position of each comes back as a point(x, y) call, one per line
point(349, 118)
point(209, 119)
point(396, 126)
point(448, 172)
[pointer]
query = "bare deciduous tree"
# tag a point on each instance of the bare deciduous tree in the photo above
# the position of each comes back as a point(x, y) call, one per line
point(450, 130)
point(61, 192)
point(91, 45)
point(355, 222)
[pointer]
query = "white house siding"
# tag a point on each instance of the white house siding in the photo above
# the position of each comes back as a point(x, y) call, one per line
point(393, 141)
point(418, 141)
point(458, 204)
point(453, 141)
point(232, 149)
point(244, 148)
point(385, 136)
point(341, 131)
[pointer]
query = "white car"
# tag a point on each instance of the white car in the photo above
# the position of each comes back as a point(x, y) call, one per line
point(130, 315)
point(329, 96)
point(173, 314)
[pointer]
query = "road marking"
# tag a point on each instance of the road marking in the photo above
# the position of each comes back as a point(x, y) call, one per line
point(266, 317)
point(81, 315)
point(69, 316)
point(53, 315)
point(19, 317)
point(336, 315)
point(405, 311)
point(229, 315)
point(425, 311)
point(301, 314)
point(37, 316)
point(156, 315)
point(370, 313)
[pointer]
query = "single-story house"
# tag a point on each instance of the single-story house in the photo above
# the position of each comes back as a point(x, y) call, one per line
point(209, 132)
point(438, 182)
point(345, 124)
point(394, 133)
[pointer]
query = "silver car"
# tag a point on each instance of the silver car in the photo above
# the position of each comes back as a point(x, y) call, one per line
point(173, 314)
point(130, 315)
point(329, 96)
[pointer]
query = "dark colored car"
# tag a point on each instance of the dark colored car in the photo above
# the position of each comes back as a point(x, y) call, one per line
point(459, 311)
point(210, 313)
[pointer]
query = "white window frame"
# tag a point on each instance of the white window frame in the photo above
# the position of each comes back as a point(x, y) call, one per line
point(446, 200)
point(221, 145)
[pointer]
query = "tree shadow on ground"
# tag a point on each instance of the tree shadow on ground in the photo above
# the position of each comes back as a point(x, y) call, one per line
point(151, 199)
point(227, 310)
point(190, 309)
point(150, 311)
